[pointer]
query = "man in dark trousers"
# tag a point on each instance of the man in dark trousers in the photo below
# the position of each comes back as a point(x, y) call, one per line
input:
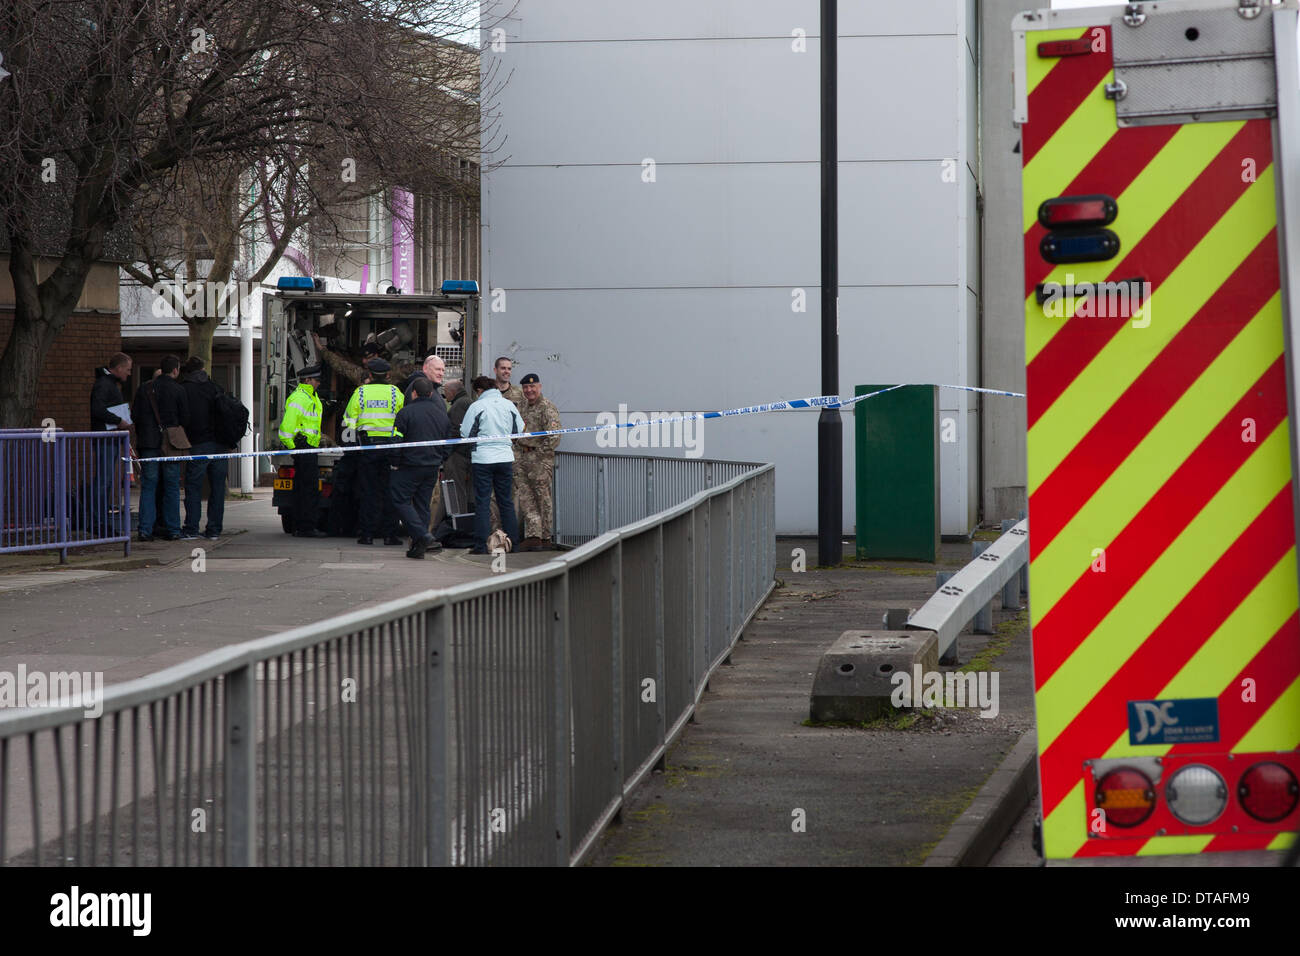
point(415, 470)
point(105, 395)
point(300, 433)
point(370, 413)
point(201, 393)
point(159, 405)
point(455, 463)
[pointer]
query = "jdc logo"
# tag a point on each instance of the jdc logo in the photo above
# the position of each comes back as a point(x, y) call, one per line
point(1153, 717)
point(1177, 721)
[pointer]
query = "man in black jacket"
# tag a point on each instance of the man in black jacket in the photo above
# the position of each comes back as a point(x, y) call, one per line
point(105, 394)
point(166, 394)
point(456, 464)
point(201, 396)
point(415, 470)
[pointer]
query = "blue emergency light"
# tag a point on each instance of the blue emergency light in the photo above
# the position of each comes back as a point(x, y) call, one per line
point(460, 285)
point(296, 284)
point(1094, 245)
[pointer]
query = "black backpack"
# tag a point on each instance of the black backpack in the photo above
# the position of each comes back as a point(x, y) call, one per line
point(229, 419)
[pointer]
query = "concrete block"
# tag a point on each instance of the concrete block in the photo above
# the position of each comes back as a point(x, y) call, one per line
point(855, 677)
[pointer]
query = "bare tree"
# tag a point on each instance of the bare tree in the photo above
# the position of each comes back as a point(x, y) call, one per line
point(164, 105)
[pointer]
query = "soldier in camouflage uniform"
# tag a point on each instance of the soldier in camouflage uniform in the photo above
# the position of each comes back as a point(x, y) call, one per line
point(512, 393)
point(535, 467)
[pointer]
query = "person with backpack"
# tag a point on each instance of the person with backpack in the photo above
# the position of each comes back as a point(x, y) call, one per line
point(201, 394)
point(160, 411)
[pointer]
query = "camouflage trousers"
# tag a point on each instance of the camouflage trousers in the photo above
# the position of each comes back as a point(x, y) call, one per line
point(533, 480)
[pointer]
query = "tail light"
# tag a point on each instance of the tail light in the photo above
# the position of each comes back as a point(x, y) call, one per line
point(1196, 794)
point(1127, 796)
point(1268, 792)
point(285, 471)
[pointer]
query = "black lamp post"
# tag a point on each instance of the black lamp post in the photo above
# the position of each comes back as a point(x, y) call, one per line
point(830, 430)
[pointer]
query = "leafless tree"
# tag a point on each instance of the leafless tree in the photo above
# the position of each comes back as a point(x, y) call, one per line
point(126, 112)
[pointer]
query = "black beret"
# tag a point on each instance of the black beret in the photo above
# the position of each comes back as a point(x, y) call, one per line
point(530, 379)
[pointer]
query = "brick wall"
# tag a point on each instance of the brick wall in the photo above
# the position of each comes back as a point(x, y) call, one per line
point(68, 372)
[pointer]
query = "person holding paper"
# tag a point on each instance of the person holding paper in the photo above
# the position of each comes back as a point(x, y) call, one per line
point(108, 412)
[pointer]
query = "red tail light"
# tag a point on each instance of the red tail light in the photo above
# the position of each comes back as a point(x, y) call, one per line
point(285, 471)
point(1268, 792)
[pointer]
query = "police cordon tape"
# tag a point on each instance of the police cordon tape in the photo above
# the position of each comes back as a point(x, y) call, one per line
point(794, 404)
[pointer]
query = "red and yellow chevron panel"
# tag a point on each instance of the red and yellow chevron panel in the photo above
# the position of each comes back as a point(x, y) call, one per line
point(1165, 610)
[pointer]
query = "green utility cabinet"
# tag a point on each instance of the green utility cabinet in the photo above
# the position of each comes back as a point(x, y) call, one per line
point(897, 453)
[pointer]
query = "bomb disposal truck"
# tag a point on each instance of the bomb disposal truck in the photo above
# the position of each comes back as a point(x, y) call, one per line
point(1160, 152)
point(404, 327)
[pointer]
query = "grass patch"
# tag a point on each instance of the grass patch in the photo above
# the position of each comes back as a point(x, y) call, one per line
point(892, 569)
point(640, 851)
point(899, 720)
point(946, 808)
point(998, 644)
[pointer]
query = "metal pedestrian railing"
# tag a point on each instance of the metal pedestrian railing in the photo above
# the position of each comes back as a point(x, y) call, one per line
point(594, 493)
point(62, 489)
point(496, 723)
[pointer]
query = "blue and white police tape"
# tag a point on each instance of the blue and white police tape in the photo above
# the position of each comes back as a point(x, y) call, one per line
point(794, 404)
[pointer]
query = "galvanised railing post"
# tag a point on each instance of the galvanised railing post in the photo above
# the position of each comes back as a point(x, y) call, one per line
point(241, 767)
point(616, 654)
point(649, 487)
point(691, 617)
point(661, 682)
point(437, 629)
point(708, 474)
point(729, 569)
point(706, 507)
point(561, 719)
point(59, 453)
point(756, 531)
point(602, 497)
point(557, 524)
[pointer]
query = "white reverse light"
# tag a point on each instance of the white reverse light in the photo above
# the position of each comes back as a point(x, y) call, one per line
point(1196, 794)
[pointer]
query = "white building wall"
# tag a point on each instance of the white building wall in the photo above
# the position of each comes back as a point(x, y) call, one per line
point(676, 294)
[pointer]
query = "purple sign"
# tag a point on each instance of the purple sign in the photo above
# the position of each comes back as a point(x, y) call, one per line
point(403, 238)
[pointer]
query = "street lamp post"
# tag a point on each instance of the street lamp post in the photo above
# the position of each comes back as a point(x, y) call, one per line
point(830, 448)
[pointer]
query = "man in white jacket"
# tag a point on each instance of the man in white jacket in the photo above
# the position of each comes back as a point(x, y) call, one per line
point(492, 462)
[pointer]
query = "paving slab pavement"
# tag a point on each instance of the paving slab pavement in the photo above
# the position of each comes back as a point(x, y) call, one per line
point(742, 780)
point(172, 601)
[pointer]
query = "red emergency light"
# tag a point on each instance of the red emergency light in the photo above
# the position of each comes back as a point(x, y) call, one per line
point(1068, 211)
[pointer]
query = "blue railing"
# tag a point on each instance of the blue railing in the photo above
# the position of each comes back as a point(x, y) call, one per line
point(63, 489)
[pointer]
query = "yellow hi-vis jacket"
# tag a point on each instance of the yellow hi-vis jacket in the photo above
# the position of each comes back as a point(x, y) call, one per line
point(301, 417)
point(372, 410)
